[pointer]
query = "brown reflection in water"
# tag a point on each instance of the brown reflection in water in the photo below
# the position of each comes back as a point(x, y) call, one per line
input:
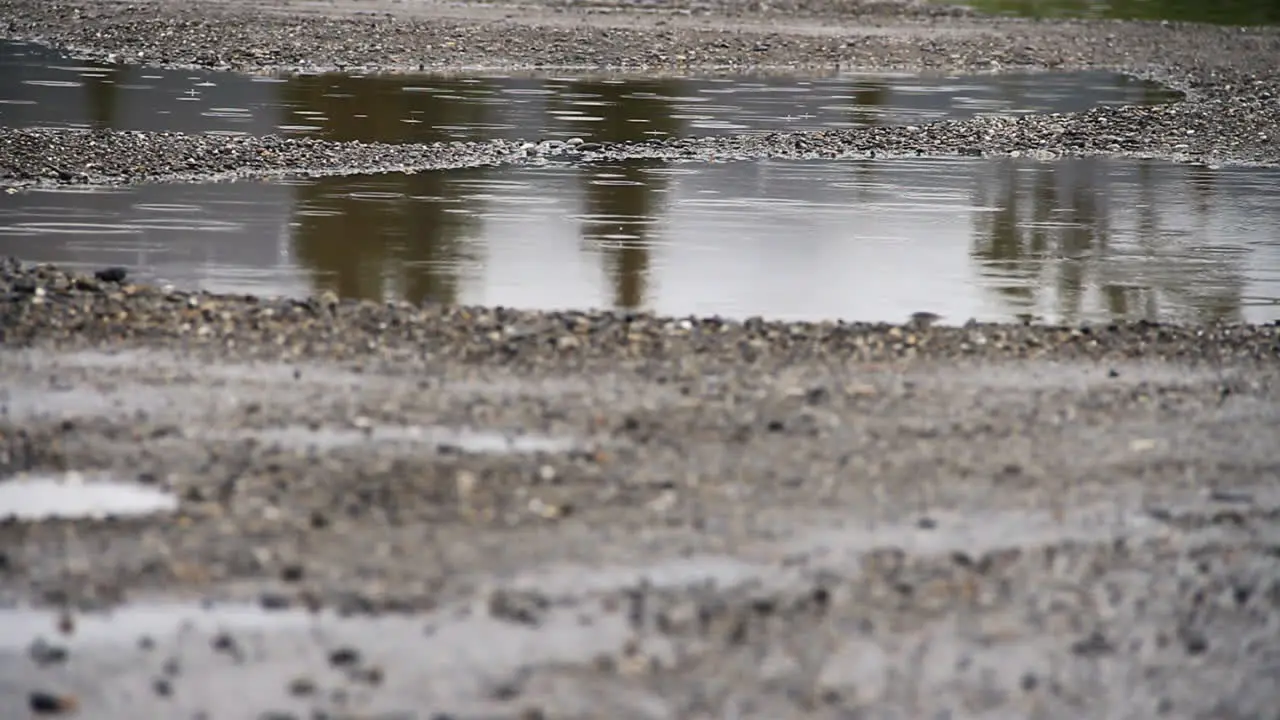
point(408, 246)
point(373, 108)
point(1053, 227)
point(869, 99)
point(624, 199)
point(102, 96)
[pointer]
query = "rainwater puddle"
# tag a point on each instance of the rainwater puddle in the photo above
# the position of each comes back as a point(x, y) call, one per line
point(444, 439)
point(1092, 239)
point(74, 496)
point(39, 87)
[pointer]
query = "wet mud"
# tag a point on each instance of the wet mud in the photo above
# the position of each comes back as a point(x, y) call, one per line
point(731, 518)
point(754, 518)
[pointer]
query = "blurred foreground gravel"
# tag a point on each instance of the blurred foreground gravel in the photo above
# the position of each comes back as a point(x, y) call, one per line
point(402, 512)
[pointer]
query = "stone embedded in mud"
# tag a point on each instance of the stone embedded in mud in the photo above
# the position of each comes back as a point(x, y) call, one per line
point(46, 703)
point(522, 607)
point(344, 657)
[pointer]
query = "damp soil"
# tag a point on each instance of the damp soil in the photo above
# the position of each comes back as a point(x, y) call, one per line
point(810, 518)
point(748, 518)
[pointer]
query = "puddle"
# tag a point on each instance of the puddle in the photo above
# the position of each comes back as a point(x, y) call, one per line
point(73, 496)
point(1091, 239)
point(39, 87)
point(1237, 12)
point(469, 441)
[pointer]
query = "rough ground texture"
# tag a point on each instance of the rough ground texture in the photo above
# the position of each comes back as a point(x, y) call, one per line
point(609, 516)
point(1231, 113)
point(687, 518)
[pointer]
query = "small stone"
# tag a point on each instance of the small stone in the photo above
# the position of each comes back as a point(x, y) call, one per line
point(1096, 644)
point(344, 657)
point(112, 274)
point(525, 608)
point(43, 653)
point(162, 687)
point(1194, 642)
point(302, 686)
point(371, 676)
point(43, 703)
point(224, 643)
point(275, 601)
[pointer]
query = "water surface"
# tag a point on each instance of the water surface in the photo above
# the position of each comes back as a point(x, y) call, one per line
point(995, 239)
point(74, 496)
point(41, 88)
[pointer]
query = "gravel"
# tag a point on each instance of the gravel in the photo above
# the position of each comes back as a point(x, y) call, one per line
point(753, 517)
point(1230, 114)
point(690, 517)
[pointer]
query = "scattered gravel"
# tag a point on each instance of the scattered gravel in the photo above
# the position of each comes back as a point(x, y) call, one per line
point(1080, 518)
point(1231, 113)
point(756, 519)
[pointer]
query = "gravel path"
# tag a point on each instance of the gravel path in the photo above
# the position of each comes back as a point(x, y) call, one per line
point(1231, 113)
point(638, 516)
point(431, 512)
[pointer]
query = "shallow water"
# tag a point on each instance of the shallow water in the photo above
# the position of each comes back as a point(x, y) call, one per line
point(73, 496)
point(41, 88)
point(1081, 239)
point(859, 240)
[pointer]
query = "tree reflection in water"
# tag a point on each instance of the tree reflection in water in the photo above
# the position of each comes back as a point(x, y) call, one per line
point(1053, 230)
point(390, 236)
point(623, 202)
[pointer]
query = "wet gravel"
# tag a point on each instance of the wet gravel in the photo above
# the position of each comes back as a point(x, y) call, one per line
point(756, 519)
point(773, 519)
point(1231, 113)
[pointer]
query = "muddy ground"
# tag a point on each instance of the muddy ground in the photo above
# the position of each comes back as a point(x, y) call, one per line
point(624, 516)
point(401, 512)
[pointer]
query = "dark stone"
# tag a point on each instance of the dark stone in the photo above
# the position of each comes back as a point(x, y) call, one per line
point(344, 657)
point(44, 653)
point(43, 703)
point(112, 274)
point(1095, 645)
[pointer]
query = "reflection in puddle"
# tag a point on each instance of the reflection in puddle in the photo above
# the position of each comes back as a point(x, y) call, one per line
point(1069, 240)
point(469, 441)
point(73, 496)
point(41, 88)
